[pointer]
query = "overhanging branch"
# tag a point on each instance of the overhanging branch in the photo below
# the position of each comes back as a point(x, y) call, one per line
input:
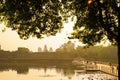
point(109, 32)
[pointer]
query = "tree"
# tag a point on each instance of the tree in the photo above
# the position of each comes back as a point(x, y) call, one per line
point(67, 47)
point(37, 18)
point(97, 20)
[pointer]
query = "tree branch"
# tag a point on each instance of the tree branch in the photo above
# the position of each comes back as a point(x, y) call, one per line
point(109, 32)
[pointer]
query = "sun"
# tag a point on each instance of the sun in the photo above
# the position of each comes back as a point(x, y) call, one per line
point(89, 1)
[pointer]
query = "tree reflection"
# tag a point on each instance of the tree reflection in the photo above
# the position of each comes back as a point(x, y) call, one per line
point(22, 70)
point(23, 67)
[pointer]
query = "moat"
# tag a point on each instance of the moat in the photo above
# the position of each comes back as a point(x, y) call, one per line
point(48, 70)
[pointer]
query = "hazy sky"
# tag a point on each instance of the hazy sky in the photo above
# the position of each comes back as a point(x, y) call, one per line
point(9, 40)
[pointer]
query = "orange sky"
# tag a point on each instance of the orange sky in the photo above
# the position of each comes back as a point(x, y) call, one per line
point(9, 40)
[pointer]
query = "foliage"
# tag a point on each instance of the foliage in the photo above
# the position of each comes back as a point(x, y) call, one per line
point(94, 53)
point(67, 47)
point(98, 53)
point(96, 21)
point(37, 18)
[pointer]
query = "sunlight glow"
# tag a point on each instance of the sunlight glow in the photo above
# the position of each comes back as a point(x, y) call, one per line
point(9, 40)
point(89, 1)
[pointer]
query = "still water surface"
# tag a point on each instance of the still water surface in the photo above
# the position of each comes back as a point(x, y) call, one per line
point(48, 72)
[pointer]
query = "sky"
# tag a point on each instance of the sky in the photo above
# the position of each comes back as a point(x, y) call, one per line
point(9, 40)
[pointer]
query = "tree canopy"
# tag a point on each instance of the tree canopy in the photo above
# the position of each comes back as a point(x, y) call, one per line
point(97, 20)
point(38, 18)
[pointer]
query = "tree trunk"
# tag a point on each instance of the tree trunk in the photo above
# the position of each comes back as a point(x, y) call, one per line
point(119, 60)
point(118, 43)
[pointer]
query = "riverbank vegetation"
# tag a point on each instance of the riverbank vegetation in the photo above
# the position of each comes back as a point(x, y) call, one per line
point(93, 53)
point(67, 51)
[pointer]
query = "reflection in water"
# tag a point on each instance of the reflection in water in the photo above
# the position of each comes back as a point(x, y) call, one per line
point(47, 71)
point(23, 67)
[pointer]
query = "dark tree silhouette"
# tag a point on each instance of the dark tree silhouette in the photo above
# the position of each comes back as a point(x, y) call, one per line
point(38, 18)
point(97, 20)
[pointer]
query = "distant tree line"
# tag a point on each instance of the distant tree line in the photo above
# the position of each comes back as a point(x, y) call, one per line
point(94, 53)
point(66, 51)
point(66, 47)
point(33, 56)
point(98, 53)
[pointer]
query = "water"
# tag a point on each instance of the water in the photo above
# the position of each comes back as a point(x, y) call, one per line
point(48, 71)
